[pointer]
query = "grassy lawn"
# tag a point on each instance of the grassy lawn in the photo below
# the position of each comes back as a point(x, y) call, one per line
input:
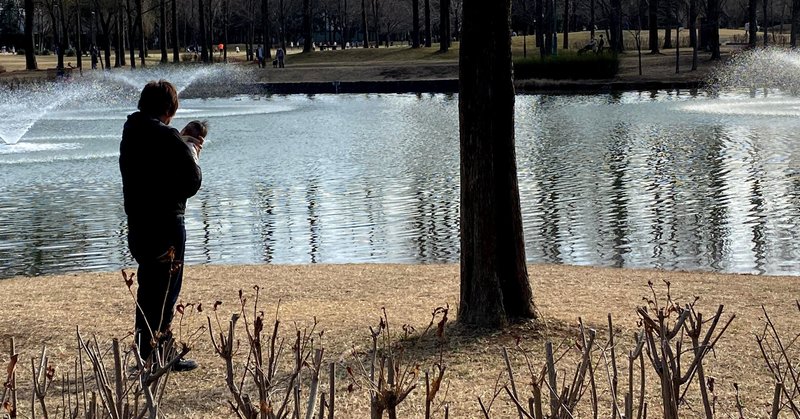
point(347, 299)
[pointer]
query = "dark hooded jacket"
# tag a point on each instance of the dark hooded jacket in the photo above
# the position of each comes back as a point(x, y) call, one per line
point(158, 170)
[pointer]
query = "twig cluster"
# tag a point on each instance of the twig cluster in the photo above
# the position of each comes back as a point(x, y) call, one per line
point(673, 339)
point(258, 365)
point(782, 357)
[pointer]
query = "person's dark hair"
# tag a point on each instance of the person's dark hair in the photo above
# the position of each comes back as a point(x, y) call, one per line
point(196, 128)
point(159, 98)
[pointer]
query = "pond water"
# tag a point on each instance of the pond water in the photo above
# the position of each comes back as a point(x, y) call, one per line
point(673, 180)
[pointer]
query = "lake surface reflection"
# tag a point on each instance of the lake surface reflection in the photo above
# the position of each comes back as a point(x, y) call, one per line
point(665, 180)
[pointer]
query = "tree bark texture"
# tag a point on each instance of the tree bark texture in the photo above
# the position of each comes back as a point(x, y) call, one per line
point(265, 29)
point(766, 25)
point(795, 23)
point(713, 21)
point(444, 25)
point(307, 33)
point(668, 26)
point(494, 277)
point(752, 34)
point(140, 29)
point(201, 11)
point(176, 56)
point(428, 33)
point(78, 35)
point(539, 26)
point(566, 24)
point(616, 26)
point(162, 33)
point(30, 56)
point(414, 23)
point(653, 25)
point(693, 31)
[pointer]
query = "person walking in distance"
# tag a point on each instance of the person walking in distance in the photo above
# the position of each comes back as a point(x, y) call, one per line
point(159, 174)
point(281, 56)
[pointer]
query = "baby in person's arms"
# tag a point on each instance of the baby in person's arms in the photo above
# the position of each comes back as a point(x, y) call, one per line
point(194, 129)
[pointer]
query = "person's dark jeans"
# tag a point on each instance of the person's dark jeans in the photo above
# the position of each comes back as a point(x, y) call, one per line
point(158, 247)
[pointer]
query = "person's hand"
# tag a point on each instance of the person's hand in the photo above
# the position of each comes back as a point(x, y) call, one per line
point(197, 142)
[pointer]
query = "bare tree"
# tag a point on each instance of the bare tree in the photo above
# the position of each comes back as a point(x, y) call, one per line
point(265, 28)
point(753, 26)
point(494, 278)
point(693, 31)
point(414, 23)
point(616, 26)
point(162, 36)
point(30, 57)
point(712, 15)
point(566, 24)
point(175, 48)
point(444, 25)
point(428, 33)
point(203, 44)
point(307, 30)
point(364, 26)
point(653, 24)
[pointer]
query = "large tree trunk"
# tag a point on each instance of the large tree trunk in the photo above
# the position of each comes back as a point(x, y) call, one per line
point(140, 28)
point(444, 25)
point(653, 23)
point(566, 24)
point(616, 26)
point(30, 56)
point(104, 25)
point(225, 33)
point(549, 24)
point(364, 24)
point(119, 54)
point(265, 29)
point(162, 34)
point(131, 35)
point(428, 33)
point(176, 56)
point(307, 32)
point(668, 26)
point(201, 11)
point(592, 21)
point(79, 34)
point(283, 27)
point(766, 25)
point(344, 27)
point(751, 18)
point(494, 278)
point(713, 22)
point(414, 23)
point(693, 31)
point(795, 28)
point(376, 23)
point(539, 25)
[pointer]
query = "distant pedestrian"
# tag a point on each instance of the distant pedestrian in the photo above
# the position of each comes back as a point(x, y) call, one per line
point(281, 55)
point(260, 56)
point(93, 52)
point(600, 44)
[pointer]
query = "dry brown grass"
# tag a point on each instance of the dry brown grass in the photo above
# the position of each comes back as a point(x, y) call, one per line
point(346, 299)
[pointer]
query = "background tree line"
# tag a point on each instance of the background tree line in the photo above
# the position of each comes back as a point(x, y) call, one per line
point(124, 31)
point(65, 27)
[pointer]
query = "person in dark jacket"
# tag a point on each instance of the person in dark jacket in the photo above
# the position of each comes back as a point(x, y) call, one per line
point(159, 174)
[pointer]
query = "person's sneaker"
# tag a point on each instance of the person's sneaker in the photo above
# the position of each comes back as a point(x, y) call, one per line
point(184, 365)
